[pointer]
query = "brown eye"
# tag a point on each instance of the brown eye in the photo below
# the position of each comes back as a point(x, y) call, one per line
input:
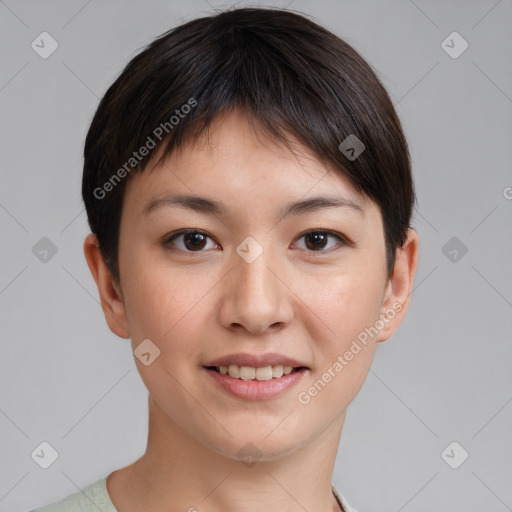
point(191, 241)
point(318, 240)
point(195, 241)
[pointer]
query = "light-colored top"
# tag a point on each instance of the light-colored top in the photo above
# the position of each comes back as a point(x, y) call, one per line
point(95, 498)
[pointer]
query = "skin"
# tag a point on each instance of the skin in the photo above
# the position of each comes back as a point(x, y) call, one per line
point(196, 306)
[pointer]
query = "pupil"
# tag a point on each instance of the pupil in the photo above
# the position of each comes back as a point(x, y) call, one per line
point(317, 237)
point(197, 239)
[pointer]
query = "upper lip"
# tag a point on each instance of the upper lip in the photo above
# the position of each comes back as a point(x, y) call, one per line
point(256, 360)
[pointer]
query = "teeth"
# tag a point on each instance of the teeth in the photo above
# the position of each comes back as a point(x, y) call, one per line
point(252, 373)
point(234, 371)
point(277, 371)
point(247, 373)
point(264, 373)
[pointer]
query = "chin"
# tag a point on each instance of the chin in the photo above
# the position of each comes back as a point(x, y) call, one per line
point(261, 445)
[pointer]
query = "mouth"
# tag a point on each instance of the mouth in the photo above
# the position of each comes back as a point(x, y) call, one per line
point(255, 382)
point(259, 373)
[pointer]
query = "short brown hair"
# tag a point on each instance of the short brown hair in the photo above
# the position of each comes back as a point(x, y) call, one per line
point(292, 75)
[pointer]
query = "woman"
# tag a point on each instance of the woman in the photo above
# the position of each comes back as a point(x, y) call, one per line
point(249, 192)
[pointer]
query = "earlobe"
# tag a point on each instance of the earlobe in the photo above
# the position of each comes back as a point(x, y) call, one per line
point(111, 298)
point(399, 287)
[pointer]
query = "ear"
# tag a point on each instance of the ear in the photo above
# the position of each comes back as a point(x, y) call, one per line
point(399, 287)
point(112, 301)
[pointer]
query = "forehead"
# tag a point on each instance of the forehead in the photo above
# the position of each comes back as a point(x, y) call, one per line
point(236, 162)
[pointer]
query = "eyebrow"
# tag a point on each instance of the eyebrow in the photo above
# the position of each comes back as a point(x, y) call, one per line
point(213, 207)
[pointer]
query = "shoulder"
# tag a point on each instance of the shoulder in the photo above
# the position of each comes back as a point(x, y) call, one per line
point(92, 498)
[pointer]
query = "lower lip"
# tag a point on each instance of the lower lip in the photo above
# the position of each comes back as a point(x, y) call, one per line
point(256, 389)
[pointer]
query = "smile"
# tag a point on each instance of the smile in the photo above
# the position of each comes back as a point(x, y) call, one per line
point(255, 383)
point(254, 373)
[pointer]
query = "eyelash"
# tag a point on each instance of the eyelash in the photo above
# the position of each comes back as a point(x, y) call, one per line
point(343, 241)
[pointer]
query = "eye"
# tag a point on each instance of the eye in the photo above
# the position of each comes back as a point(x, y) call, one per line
point(316, 240)
point(193, 240)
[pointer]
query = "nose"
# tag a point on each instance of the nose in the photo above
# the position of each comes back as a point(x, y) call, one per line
point(255, 296)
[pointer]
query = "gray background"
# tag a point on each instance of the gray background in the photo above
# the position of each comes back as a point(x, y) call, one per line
point(445, 376)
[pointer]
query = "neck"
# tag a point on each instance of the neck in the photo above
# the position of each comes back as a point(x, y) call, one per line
point(179, 473)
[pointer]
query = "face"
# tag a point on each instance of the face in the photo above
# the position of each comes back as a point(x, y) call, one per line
point(254, 277)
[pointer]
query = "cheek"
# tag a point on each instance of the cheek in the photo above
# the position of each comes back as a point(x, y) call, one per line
point(351, 306)
point(347, 305)
point(166, 307)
